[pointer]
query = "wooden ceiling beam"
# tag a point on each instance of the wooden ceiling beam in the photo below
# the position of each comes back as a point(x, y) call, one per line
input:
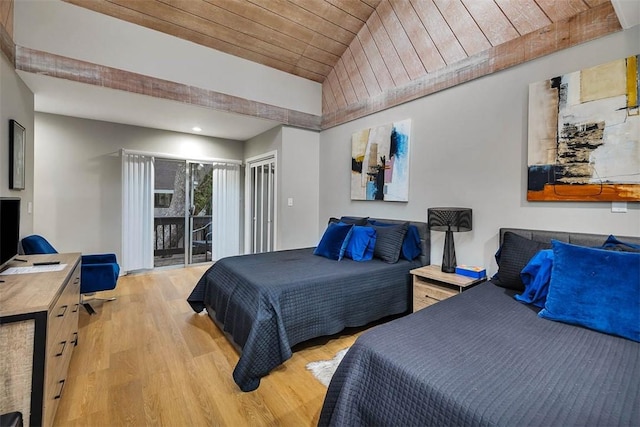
point(369, 54)
point(7, 46)
point(44, 63)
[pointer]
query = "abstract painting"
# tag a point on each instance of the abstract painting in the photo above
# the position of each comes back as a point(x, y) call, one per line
point(584, 135)
point(380, 163)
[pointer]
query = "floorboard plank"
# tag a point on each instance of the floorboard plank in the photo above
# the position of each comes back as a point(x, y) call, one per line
point(148, 359)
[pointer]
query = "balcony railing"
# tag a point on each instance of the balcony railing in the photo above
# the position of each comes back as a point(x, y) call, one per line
point(169, 235)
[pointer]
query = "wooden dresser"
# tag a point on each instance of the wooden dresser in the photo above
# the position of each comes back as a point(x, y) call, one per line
point(38, 331)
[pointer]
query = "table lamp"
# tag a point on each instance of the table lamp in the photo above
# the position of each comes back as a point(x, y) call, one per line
point(449, 220)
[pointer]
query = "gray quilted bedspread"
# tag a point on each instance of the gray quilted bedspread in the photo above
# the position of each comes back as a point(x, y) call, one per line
point(272, 301)
point(483, 359)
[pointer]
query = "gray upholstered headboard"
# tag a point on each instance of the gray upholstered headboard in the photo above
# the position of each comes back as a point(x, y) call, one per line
point(583, 239)
point(425, 236)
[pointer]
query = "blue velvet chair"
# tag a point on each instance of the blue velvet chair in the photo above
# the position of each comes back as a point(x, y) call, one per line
point(98, 272)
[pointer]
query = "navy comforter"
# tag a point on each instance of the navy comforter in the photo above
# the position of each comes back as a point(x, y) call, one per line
point(483, 359)
point(272, 301)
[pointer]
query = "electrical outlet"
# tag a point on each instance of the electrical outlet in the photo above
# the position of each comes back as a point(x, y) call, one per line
point(619, 207)
point(290, 201)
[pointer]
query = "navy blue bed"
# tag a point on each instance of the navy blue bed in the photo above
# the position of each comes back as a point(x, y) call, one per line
point(482, 358)
point(269, 302)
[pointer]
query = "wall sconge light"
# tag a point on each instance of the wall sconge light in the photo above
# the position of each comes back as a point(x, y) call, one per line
point(449, 220)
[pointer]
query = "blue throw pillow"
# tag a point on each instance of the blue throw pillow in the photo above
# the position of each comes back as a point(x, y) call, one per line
point(411, 245)
point(595, 288)
point(361, 243)
point(389, 240)
point(613, 244)
point(514, 255)
point(355, 220)
point(536, 277)
point(334, 241)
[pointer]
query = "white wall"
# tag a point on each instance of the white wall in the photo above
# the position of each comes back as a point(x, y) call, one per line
point(65, 29)
point(270, 140)
point(297, 172)
point(78, 197)
point(300, 182)
point(16, 102)
point(469, 148)
point(267, 142)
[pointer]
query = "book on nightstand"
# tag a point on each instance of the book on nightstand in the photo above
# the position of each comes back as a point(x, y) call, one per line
point(471, 271)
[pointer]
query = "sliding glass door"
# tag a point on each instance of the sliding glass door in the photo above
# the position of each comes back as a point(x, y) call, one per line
point(169, 212)
point(179, 212)
point(200, 203)
point(182, 212)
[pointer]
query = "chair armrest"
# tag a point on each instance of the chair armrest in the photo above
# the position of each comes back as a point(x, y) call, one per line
point(99, 259)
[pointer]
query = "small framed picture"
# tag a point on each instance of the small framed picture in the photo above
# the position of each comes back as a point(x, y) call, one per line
point(17, 142)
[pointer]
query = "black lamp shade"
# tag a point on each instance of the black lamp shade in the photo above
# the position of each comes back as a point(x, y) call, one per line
point(449, 220)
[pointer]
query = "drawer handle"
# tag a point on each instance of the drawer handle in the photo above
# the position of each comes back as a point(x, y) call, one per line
point(59, 395)
point(75, 308)
point(63, 310)
point(64, 344)
point(75, 339)
point(76, 280)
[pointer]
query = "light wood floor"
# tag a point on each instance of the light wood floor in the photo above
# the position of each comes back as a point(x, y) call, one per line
point(148, 359)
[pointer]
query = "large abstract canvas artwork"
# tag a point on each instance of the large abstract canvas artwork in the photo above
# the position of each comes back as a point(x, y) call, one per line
point(380, 163)
point(584, 135)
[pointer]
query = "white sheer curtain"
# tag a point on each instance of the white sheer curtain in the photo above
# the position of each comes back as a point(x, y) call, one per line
point(226, 210)
point(137, 211)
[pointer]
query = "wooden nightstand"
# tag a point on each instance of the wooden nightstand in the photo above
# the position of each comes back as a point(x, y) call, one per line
point(431, 285)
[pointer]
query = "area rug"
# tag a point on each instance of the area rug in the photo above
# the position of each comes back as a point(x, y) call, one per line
point(323, 370)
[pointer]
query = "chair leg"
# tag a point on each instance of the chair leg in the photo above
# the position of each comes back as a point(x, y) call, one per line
point(85, 301)
point(89, 309)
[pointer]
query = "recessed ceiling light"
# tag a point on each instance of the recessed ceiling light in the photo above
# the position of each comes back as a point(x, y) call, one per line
point(196, 129)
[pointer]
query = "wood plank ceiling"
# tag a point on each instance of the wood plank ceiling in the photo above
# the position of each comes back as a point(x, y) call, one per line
point(363, 50)
point(301, 37)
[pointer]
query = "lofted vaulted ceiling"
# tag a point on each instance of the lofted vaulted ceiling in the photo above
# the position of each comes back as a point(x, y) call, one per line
point(401, 40)
point(372, 54)
point(368, 55)
point(301, 37)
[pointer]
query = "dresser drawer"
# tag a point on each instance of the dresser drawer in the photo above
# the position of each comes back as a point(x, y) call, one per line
point(39, 321)
point(63, 318)
point(422, 301)
point(426, 290)
point(57, 364)
point(62, 336)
